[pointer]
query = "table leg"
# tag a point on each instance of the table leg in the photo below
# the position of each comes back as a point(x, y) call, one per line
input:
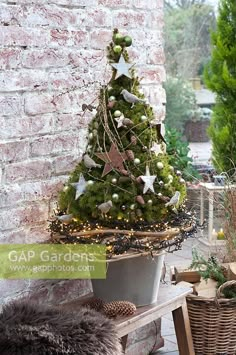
point(210, 218)
point(124, 342)
point(183, 330)
point(201, 206)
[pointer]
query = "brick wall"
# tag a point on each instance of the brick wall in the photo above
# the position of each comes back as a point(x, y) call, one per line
point(52, 59)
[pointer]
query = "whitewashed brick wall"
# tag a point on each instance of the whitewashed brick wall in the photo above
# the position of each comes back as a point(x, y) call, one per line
point(52, 60)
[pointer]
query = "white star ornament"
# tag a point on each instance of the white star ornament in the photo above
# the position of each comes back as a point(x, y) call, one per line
point(156, 148)
point(79, 186)
point(148, 181)
point(122, 68)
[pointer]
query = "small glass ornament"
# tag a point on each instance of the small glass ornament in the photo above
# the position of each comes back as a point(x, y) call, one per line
point(114, 181)
point(111, 98)
point(90, 136)
point(115, 197)
point(143, 118)
point(171, 168)
point(123, 207)
point(144, 148)
point(159, 194)
point(90, 182)
point(117, 113)
point(65, 188)
point(132, 207)
point(136, 161)
point(161, 183)
point(170, 177)
point(127, 40)
point(117, 49)
point(182, 181)
point(149, 202)
point(178, 173)
point(160, 165)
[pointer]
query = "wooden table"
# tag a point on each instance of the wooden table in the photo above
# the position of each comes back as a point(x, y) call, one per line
point(170, 299)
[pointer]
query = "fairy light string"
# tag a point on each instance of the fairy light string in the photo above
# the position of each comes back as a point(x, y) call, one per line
point(169, 235)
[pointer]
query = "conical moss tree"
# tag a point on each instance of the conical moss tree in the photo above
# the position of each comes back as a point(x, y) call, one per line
point(220, 77)
point(124, 179)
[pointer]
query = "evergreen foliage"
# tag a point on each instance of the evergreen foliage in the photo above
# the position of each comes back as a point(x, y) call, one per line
point(220, 77)
point(124, 184)
point(178, 151)
point(208, 268)
point(211, 269)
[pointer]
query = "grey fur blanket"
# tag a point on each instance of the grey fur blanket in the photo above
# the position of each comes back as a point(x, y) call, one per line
point(32, 329)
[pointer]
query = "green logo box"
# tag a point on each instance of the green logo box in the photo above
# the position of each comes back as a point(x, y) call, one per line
point(52, 261)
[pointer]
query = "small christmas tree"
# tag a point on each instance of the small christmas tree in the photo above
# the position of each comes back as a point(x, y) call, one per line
point(124, 180)
point(220, 77)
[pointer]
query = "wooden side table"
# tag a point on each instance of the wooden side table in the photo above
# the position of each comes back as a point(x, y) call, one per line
point(170, 299)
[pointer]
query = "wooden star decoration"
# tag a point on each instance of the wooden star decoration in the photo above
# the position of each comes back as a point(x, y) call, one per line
point(113, 159)
point(122, 68)
point(148, 181)
point(79, 186)
point(156, 148)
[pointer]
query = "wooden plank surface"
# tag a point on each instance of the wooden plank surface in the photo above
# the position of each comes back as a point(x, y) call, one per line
point(169, 298)
point(167, 294)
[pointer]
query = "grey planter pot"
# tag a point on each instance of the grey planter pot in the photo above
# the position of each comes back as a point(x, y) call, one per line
point(133, 279)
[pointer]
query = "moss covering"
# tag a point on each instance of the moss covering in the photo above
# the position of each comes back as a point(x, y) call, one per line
point(102, 132)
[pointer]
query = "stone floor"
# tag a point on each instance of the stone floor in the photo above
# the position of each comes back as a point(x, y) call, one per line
point(182, 257)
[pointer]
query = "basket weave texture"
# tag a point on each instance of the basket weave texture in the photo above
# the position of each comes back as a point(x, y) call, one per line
point(213, 323)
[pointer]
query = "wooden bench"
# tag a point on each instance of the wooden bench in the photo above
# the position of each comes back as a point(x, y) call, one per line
point(170, 299)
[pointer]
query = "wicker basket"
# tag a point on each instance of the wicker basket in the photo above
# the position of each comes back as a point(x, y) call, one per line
point(213, 323)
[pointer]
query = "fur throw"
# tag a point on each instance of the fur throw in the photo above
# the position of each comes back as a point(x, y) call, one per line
point(28, 328)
